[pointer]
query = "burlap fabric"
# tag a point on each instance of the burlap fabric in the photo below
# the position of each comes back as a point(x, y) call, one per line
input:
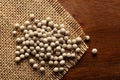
point(12, 11)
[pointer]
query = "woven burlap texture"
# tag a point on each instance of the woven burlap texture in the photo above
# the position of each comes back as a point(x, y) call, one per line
point(12, 11)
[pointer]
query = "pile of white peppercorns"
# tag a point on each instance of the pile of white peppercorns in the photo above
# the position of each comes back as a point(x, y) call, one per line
point(47, 42)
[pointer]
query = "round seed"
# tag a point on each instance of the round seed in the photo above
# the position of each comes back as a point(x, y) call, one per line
point(55, 62)
point(56, 69)
point(18, 47)
point(31, 61)
point(87, 37)
point(48, 54)
point(27, 54)
point(37, 55)
point(42, 54)
point(22, 51)
point(35, 66)
point(22, 27)
point(78, 39)
point(42, 69)
point(48, 19)
point(60, 57)
point(50, 62)
point(17, 59)
point(32, 16)
point(77, 50)
point(16, 25)
point(62, 62)
point(61, 69)
point(43, 22)
point(39, 24)
point(42, 63)
point(94, 51)
point(22, 56)
point(74, 46)
point(14, 33)
point(27, 23)
point(17, 52)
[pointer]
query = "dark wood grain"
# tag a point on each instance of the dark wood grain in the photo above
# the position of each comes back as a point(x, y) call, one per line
point(101, 20)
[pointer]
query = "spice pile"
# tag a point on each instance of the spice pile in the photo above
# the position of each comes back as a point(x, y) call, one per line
point(48, 42)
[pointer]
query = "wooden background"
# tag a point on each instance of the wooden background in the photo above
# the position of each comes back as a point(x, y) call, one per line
point(101, 20)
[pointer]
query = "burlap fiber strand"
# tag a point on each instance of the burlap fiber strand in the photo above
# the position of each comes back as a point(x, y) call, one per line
point(12, 11)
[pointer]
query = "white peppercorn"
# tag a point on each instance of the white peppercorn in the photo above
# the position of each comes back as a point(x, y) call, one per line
point(31, 42)
point(26, 36)
point(37, 55)
point(67, 33)
point(35, 66)
point(50, 23)
point(60, 57)
point(78, 39)
point(41, 44)
point(64, 54)
point(33, 52)
point(73, 41)
point(61, 69)
point(27, 23)
point(39, 25)
point(29, 27)
point(52, 44)
point(31, 61)
point(56, 69)
point(36, 21)
point(94, 51)
point(31, 48)
point(17, 52)
point(57, 53)
point(14, 33)
point(22, 56)
point(69, 46)
point(48, 49)
point(55, 62)
point(43, 22)
point(22, 39)
point(17, 59)
point(58, 48)
point(48, 19)
point(18, 40)
point(28, 50)
point(35, 33)
point(42, 49)
point(32, 16)
point(87, 37)
point(42, 69)
point(68, 55)
point(62, 62)
point(62, 50)
point(22, 27)
point(77, 50)
point(42, 54)
point(27, 54)
point(62, 31)
point(74, 46)
point(37, 48)
point(73, 55)
point(22, 51)
point(48, 54)
point(50, 62)
point(16, 25)
point(40, 34)
point(42, 63)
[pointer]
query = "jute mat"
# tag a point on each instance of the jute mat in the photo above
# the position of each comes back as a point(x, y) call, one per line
point(13, 11)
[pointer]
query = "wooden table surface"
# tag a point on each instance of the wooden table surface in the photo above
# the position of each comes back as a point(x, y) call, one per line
point(101, 20)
